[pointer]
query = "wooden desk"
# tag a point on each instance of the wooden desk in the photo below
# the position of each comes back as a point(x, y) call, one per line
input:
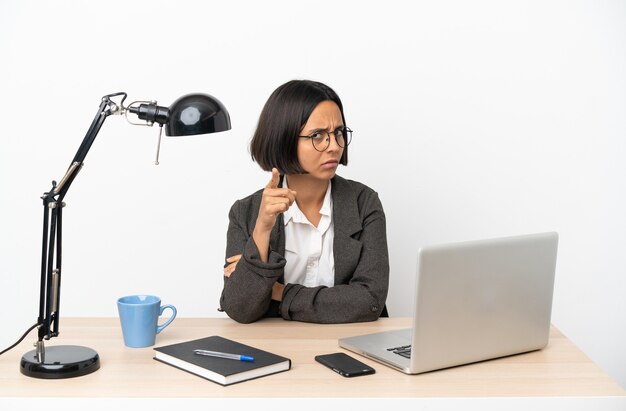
point(559, 370)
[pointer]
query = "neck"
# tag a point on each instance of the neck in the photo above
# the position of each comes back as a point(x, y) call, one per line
point(310, 191)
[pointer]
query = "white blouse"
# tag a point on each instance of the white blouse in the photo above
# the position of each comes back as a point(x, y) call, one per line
point(309, 249)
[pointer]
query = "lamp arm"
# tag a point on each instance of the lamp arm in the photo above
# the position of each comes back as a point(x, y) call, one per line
point(50, 283)
point(107, 107)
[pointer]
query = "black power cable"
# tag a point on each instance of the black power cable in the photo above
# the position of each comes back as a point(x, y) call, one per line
point(20, 340)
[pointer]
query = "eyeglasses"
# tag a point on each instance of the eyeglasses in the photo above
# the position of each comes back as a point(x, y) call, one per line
point(321, 138)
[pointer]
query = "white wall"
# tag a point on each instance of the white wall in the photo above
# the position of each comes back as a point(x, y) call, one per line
point(472, 120)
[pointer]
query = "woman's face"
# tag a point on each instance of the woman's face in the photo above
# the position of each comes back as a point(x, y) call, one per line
point(326, 117)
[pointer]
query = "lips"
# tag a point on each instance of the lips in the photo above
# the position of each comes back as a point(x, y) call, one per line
point(330, 164)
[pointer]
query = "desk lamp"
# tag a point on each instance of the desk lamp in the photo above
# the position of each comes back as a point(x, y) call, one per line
point(189, 115)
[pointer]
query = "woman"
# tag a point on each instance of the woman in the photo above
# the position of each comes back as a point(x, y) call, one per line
point(311, 246)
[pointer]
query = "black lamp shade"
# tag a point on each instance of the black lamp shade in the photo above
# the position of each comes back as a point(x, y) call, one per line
point(197, 114)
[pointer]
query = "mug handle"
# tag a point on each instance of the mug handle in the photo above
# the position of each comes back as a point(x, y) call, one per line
point(163, 307)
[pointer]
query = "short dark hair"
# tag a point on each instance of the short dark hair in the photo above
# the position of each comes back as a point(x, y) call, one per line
point(282, 119)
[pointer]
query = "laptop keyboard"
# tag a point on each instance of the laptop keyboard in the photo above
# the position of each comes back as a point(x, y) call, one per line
point(404, 351)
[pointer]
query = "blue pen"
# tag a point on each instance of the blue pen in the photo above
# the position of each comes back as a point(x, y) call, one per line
point(224, 355)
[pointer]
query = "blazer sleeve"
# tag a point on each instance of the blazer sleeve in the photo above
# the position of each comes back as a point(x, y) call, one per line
point(246, 295)
point(361, 295)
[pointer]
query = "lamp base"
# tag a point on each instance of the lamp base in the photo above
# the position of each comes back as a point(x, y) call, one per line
point(63, 361)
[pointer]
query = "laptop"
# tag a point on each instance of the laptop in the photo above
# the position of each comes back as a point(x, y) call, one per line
point(474, 301)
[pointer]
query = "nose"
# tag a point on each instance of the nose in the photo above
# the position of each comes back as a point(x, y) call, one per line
point(332, 143)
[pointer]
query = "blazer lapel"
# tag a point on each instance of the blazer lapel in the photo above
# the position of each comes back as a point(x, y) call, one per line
point(347, 223)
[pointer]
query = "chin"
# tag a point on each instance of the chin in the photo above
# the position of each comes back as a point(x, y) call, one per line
point(328, 175)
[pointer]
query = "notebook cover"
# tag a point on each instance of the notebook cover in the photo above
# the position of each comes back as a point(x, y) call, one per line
point(222, 366)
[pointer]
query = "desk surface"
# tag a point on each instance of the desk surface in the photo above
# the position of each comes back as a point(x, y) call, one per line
point(559, 370)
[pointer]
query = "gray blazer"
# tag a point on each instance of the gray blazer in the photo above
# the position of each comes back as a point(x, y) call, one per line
point(361, 264)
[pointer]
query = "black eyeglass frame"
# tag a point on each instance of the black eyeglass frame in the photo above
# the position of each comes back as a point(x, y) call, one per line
point(347, 131)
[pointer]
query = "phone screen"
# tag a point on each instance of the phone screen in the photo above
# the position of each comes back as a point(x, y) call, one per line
point(344, 365)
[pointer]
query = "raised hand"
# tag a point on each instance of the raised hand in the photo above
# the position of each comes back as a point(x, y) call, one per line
point(275, 201)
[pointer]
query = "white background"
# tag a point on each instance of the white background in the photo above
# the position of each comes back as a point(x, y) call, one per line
point(472, 120)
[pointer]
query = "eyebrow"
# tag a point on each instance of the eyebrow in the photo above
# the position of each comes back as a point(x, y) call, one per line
point(315, 130)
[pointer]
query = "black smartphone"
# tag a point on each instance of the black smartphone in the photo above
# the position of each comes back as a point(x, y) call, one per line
point(344, 365)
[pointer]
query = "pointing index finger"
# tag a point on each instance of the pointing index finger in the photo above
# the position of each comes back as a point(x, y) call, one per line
point(274, 180)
